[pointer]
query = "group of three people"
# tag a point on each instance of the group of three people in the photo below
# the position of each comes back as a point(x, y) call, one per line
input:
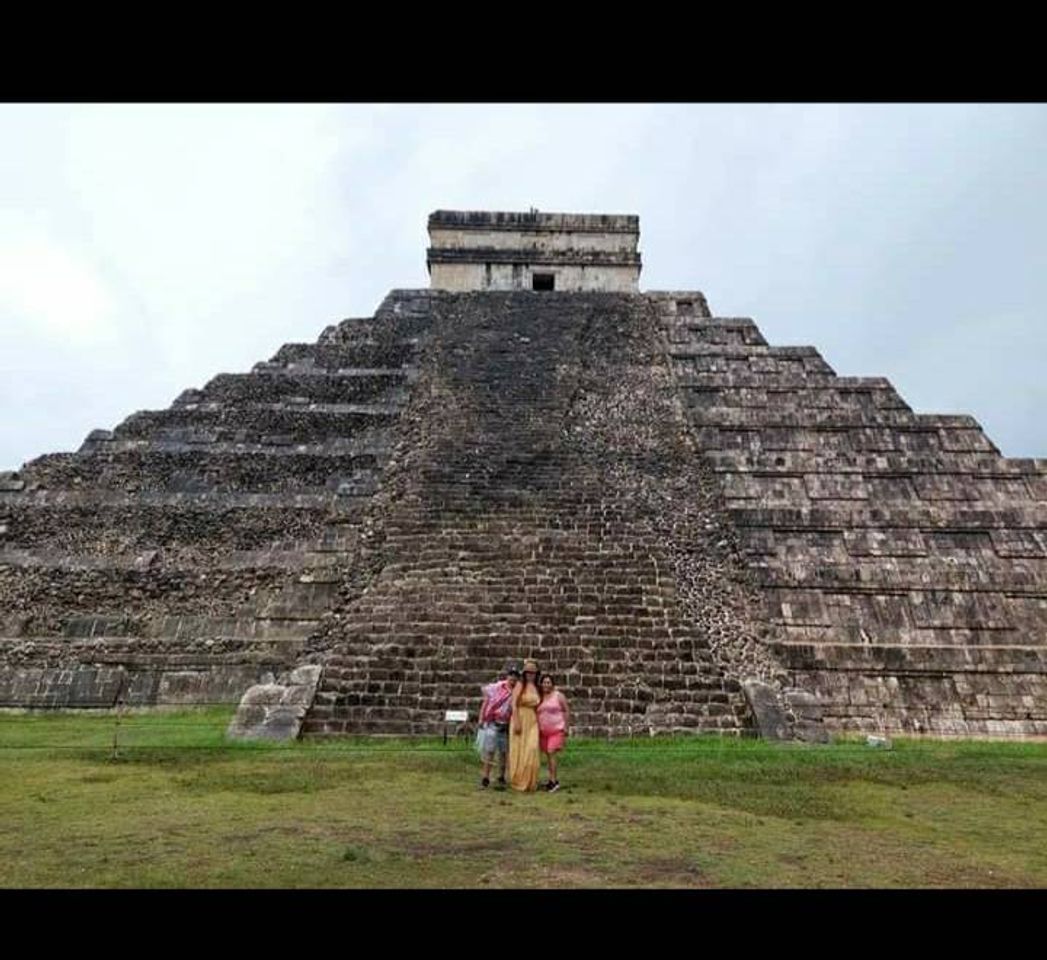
point(522, 715)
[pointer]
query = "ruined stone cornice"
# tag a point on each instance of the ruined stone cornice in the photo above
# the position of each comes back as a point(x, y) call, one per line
point(615, 258)
point(543, 222)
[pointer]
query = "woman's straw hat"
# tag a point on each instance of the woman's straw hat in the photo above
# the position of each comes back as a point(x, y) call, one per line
point(530, 666)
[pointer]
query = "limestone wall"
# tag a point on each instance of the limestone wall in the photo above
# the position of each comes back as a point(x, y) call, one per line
point(653, 502)
point(463, 277)
point(472, 250)
point(543, 240)
point(902, 561)
point(190, 552)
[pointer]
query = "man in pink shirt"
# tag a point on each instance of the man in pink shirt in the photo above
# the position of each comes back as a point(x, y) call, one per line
point(493, 735)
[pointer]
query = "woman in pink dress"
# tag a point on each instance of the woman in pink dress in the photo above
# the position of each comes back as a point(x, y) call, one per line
point(553, 720)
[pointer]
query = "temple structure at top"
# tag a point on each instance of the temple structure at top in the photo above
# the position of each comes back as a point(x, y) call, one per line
point(480, 250)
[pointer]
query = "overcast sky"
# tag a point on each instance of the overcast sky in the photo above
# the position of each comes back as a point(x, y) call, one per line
point(144, 249)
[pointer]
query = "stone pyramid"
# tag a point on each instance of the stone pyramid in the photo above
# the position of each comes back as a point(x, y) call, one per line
point(533, 458)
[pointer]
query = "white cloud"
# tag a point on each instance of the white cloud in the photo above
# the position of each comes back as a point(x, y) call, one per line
point(50, 291)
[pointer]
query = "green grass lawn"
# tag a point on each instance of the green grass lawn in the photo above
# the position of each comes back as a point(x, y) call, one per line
point(181, 807)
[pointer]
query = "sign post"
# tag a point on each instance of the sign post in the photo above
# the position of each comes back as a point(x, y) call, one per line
point(454, 716)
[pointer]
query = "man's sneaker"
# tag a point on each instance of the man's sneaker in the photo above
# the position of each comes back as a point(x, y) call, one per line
point(501, 785)
point(554, 786)
point(485, 783)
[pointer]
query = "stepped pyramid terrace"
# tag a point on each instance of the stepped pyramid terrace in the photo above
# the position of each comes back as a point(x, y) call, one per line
point(693, 529)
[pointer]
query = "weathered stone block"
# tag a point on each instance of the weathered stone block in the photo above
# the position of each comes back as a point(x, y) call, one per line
point(770, 714)
point(276, 710)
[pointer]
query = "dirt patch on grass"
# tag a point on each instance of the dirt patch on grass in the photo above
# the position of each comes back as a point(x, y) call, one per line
point(424, 849)
point(670, 871)
point(276, 779)
point(249, 836)
point(553, 878)
point(98, 778)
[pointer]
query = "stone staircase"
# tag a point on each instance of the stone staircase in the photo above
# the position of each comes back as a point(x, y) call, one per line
point(546, 496)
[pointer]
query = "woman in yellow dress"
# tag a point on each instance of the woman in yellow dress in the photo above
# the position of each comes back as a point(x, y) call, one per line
point(523, 731)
